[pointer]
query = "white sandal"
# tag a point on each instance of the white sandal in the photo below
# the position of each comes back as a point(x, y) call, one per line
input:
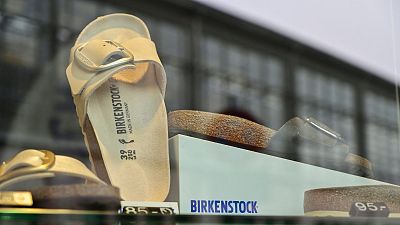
point(118, 85)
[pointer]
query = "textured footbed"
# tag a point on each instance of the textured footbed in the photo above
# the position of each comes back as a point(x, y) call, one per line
point(219, 126)
point(339, 214)
point(341, 198)
point(144, 175)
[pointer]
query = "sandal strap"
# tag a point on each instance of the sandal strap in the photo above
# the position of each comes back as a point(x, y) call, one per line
point(96, 61)
point(37, 164)
point(318, 137)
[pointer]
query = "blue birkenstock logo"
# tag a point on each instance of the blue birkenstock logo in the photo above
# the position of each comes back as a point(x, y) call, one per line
point(223, 206)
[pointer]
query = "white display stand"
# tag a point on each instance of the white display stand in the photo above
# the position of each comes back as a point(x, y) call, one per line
point(205, 172)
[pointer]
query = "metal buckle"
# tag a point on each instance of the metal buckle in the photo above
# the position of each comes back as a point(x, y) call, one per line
point(91, 66)
point(323, 128)
point(48, 161)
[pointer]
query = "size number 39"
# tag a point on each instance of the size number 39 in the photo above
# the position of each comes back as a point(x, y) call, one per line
point(127, 154)
point(370, 209)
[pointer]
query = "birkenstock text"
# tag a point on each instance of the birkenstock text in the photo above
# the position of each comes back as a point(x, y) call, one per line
point(118, 111)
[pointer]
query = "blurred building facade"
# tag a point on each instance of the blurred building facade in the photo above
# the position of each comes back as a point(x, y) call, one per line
point(214, 62)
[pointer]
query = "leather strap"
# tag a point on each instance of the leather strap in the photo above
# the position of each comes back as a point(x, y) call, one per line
point(96, 61)
point(37, 164)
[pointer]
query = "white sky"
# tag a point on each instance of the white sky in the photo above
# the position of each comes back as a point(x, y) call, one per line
point(358, 31)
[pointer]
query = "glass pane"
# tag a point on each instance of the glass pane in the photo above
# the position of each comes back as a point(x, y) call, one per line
point(212, 54)
point(75, 14)
point(289, 116)
point(173, 41)
point(274, 72)
point(177, 84)
point(31, 9)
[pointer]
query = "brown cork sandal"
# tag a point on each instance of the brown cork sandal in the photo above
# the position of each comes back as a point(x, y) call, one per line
point(239, 132)
point(220, 128)
point(353, 201)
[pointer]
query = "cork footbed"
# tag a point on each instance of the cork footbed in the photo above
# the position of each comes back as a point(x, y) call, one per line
point(339, 214)
point(340, 199)
point(219, 127)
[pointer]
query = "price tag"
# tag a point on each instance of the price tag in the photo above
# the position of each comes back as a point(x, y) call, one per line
point(149, 208)
point(369, 209)
point(16, 198)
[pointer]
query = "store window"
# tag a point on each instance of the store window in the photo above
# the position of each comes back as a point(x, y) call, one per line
point(382, 135)
point(236, 76)
point(213, 64)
